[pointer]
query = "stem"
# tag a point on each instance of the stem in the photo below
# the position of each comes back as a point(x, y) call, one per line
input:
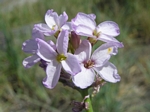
point(87, 100)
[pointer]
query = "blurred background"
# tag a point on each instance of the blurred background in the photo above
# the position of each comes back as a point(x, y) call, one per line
point(21, 89)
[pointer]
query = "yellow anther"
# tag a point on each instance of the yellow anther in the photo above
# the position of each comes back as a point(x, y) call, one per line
point(109, 50)
point(95, 33)
point(53, 27)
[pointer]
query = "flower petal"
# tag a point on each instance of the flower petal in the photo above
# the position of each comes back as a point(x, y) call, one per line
point(37, 34)
point(62, 19)
point(43, 28)
point(83, 52)
point(30, 46)
point(84, 19)
point(51, 18)
point(30, 61)
point(53, 73)
point(110, 39)
point(102, 54)
point(71, 64)
point(84, 31)
point(67, 26)
point(52, 44)
point(109, 28)
point(93, 16)
point(45, 51)
point(62, 42)
point(84, 78)
point(109, 73)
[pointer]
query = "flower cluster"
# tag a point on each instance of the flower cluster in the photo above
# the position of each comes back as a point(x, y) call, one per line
point(70, 56)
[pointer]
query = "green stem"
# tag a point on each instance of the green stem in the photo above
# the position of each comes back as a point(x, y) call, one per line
point(87, 100)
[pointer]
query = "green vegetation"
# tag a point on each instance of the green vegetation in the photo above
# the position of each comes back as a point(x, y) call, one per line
point(22, 90)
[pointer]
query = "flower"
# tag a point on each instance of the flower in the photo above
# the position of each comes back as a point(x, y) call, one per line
point(95, 63)
point(30, 46)
point(54, 23)
point(57, 59)
point(85, 25)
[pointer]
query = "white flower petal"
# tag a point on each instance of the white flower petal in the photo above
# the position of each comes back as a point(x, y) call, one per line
point(51, 18)
point(30, 61)
point(45, 51)
point(30, 46)
point(62, 19)
point(37, 34)
point(110, 39)
point(52, 44)
point(83, 52)
point(84, 31)
point(84, 79)
point(43, 28)
point(62, 42)
point(53, 73)
point(109, 73)
point(67, 26)
point(71, 64)
point(84, 19)
point(109, 28)
point(102, 54)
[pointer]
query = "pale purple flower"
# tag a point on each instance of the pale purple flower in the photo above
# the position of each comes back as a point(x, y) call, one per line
point(54, 23)
point(95, 63)
point(30, 46)
point(57, 58)
point(85, 25)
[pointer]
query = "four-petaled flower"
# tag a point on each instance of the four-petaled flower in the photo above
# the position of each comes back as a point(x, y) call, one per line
point(56, 59)
point(97, 63)
point(85, 25)
point(54, 23)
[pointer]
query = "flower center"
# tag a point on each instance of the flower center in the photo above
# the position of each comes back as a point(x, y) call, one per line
point(61, 57)
point(95, 33)
point(53, 27)
point(89, 64)
point(109, 50)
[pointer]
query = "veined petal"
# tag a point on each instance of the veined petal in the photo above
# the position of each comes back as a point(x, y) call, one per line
point(84, 30)
point(71, 64)
point(53, 73)
point(37, 34)
point(30, 46)
point(51, 43)
point(83, 52)
point(30, 61)
point(43, 28)
point(51, 18)
point(45, 51)
point(92, 16)
point(62, 42)
point(84, 19)
point(67, 26)
point(102, 54)
point(109, 73)
point(110, 39)
point(109, 28)
point(62, 19)
point(84, 78)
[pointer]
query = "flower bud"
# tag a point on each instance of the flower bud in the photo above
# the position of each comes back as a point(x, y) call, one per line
point(75, 40)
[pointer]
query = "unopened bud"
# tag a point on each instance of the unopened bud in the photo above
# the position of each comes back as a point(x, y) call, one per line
point(75, 40)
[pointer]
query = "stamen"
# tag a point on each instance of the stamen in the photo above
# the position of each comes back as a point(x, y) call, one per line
point(89, 64)
point(53, 27)
point(61, 57)
point(109, 50)
point(95, 33)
